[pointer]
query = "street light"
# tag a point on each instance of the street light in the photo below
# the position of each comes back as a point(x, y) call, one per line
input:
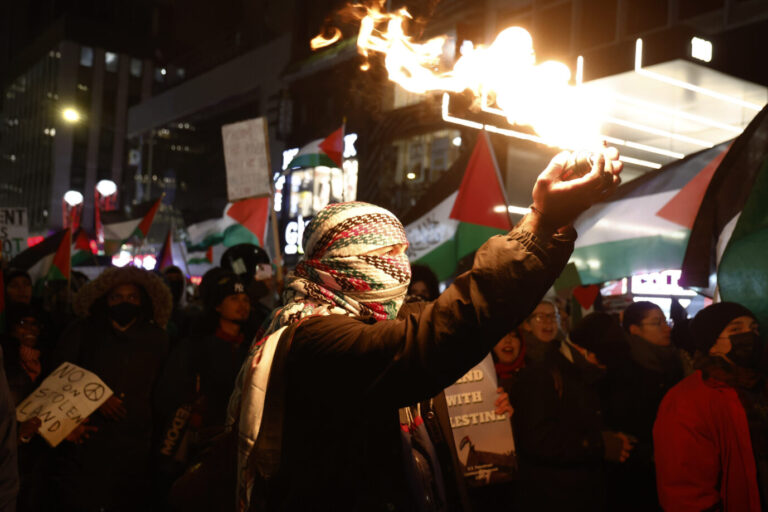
point(73, 198)
point(70, 115)
point(106, 188)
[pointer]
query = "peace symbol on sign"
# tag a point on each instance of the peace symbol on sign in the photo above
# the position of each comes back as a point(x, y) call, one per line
point(93, 391)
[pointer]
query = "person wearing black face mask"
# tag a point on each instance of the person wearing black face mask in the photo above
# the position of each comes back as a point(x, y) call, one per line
point(711, 431)
point(121, 338)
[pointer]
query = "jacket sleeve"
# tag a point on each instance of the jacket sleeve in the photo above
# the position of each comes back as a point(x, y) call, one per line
point(687, 458)
point(414, 357)
point(9, 473)
point(543, 434)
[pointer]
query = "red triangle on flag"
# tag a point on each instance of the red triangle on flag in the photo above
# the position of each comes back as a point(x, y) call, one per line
point(61, 266)
point(333, 146)
point(165, 256)
point(481, 199)
point(146, 222)
point(82, 242)
point(209, 254)
point(253, 214)
point(684, 206)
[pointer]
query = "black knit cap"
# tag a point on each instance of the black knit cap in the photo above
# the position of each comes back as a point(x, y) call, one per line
point(710, 322)
point(12, 273)
point(601, 334)
point(225, 284)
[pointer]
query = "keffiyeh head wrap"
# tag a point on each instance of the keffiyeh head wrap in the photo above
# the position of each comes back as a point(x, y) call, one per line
point(337, 276)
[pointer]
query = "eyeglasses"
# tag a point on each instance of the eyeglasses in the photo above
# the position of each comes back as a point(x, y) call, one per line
point(660, 323)
point(541, 318)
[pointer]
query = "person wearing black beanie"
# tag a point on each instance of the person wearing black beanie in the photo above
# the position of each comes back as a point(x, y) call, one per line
point(711, 431)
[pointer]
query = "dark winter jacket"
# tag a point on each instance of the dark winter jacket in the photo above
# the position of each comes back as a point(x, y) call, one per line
point(339, 447)
point(557, 425)
point(9, 470)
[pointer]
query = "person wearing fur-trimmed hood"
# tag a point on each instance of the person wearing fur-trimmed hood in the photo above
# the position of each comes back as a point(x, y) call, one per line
point(120, 337)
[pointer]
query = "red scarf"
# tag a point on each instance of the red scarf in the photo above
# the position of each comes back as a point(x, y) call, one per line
point(507, 370)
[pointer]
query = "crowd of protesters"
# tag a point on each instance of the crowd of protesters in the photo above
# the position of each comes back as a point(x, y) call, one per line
point(210, 412)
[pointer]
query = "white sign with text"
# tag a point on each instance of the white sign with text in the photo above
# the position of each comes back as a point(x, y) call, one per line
point(14, 230)
point(63, 401)
point(246, 155)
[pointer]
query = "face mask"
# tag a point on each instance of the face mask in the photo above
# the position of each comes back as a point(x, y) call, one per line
point(745, 349)
point(124, 313)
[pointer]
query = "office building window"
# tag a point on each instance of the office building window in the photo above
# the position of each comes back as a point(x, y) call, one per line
point(86, 56)
point(136, 66)
point(110, 61)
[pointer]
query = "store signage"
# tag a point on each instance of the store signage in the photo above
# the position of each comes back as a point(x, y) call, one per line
point(293, 234)
point(660, 283)
point(14, 231)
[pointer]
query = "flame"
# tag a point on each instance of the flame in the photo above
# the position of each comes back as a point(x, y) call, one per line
point(320, 41)
point(505, 73)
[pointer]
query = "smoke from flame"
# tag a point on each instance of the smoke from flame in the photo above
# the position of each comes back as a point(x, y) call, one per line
point(506, 72)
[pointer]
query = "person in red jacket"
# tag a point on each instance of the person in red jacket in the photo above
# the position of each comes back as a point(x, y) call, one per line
point(711, 430)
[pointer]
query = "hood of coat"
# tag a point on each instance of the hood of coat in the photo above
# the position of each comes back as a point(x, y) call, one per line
point(153, 286)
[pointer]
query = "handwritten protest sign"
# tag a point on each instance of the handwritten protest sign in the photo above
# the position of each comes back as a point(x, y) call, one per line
point(63, 401)
point(14, 231)
point(483, 438)
point(246, 155)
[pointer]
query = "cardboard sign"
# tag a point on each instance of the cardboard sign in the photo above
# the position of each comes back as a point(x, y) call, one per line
point(14, 231)
point(63, 400)
point(483, 438)
point(246, 155)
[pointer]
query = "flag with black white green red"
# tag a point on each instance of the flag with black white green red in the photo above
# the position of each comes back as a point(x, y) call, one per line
point(48, 260)
point(326, 152)
point(82, 252)
point(730, 234)
point(242, 222)
point(201, 257)
point(164, 256)
point(463, 220)
point(645, 224)
point(120, 227)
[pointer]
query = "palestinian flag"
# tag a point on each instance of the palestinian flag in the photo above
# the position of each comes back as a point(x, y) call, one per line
point(202, 258)
point(82, 253)
point(242, 222)
point(165, 255)
point(48, 260)
point(119, 228)
point(461, 222)
point(646, 223)
point(328, 152)
point(730, 234)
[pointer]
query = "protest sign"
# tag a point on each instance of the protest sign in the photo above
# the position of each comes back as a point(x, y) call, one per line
point(63, 401)
point(483, 438)
point(14, 230)
point(246, 155)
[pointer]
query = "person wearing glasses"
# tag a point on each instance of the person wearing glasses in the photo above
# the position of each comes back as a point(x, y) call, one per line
point(711, 433)
point(540, 329)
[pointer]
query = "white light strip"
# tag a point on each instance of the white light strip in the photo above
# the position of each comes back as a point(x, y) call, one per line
point(519, 210)
point(642, 147)
point(636, 145)
point(661, 133)
point(685, 85)
point(529, 137)
point(579, 70)
point(678, 113)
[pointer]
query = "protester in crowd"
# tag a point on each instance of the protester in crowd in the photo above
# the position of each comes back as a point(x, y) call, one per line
point(120, 337)
point(626, 407)
point(711, 433)
point(252, 265)
point(9, 467)
point(509, 359)
point(25, 367)
point(562, 442)
point(424, 283)
point(659, 362)
point(18, 286)
point(177, 283)
point(343, 365)
point(540, 329)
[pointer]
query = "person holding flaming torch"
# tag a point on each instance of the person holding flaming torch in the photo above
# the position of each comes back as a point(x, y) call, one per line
point(315, 407)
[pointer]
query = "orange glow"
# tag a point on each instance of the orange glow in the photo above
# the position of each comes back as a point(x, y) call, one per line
point(320, 41)
point(504, 73)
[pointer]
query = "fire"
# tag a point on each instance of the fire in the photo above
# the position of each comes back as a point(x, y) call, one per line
point(320, 41)
point(506, 73)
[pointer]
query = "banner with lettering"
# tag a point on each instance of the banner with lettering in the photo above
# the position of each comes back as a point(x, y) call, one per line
point(14, 231)
point(63, 400)
point(484, 440)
